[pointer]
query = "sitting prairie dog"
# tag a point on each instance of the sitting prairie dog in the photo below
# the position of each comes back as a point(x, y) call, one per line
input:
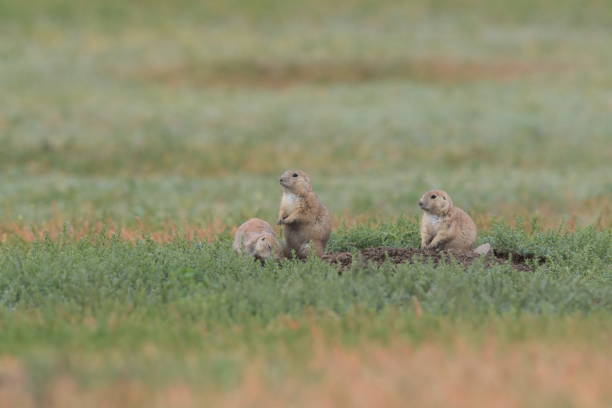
point(306, 221)
point(444, 226)
point(257, 238)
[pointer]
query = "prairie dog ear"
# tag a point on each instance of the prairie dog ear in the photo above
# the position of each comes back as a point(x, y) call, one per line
point(306, 185)
point(449, 200)
point(307, 179)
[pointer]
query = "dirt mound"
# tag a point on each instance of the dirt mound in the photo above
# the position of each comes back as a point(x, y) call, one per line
point(414, 255)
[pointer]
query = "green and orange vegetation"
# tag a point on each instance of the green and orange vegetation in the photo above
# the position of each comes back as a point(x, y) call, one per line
point(439, 365)
point(135, 136)
point(101, 322)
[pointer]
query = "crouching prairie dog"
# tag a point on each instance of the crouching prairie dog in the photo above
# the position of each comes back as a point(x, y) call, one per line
point(305, 220)
point(444, 226)
point(257, 238)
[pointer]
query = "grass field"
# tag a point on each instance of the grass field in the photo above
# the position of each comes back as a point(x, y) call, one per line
point(136, 135)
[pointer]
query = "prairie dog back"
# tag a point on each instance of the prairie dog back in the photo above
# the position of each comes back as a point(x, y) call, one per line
point(257, 238)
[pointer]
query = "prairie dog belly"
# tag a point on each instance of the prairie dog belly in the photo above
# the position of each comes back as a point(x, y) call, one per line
point(432, 221)
point(289, 202)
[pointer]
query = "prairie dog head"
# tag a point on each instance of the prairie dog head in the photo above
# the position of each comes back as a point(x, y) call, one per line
point(436, 202)
point(263, 246)
point(296, 182)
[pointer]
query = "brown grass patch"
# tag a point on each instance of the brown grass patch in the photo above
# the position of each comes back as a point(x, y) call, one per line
point(592, 212)
point(275, 74)
point(432, 376)
point(596, 211)
point(395, 375)
point(57, 228)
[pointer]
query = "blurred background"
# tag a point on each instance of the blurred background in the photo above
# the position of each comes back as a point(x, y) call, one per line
point(153, 115)
point(166, 118)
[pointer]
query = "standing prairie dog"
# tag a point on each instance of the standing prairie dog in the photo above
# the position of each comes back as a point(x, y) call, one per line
point(257, 238)
point(306, 221)
point(444, 226)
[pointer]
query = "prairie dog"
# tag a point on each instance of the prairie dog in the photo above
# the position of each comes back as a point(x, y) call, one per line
point(257, 238)
point(444, 226)
point(306, 222)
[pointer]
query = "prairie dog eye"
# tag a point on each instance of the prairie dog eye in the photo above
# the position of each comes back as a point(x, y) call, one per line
point(294, 175)
point(433, 197)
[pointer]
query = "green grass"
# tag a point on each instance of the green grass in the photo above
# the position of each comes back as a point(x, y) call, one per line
point(110, 296)
point(198, 314)
point(217, 286)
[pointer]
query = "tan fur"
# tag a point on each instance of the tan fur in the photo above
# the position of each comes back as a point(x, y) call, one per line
point(257, 238)
point(306, 222)
point(444, 226)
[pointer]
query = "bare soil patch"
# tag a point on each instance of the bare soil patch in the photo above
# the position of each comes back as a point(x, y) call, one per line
point(416, 255)
point(279, 74)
